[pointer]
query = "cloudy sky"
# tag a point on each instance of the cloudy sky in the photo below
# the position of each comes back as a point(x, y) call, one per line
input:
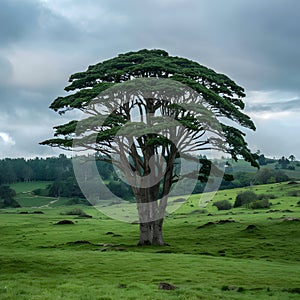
point(42, 42)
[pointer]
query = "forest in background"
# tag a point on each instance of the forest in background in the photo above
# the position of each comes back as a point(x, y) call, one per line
point(58, 171)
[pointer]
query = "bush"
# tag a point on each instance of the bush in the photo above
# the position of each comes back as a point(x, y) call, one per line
point(7, 197)
point(266, 175)
point(222, 205)
point(41, 192)
point(266, 196)
point(298, 203)
point(260, 204)
point(244, 198)
point(74, 201)
point(74, 212)
point(293, 193)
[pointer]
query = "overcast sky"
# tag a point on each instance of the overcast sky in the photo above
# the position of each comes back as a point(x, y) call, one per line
point(256, 43)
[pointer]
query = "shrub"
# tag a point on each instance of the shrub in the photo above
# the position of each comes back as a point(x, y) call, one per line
point(74, 212)
point(244, 198)
point(260, 204)
point(74, 201)
point(266, 175)
point(222, 205)
point(7, 197)
point(41, 192)
point(298, 203)
point(266, 196)
point(293, 193)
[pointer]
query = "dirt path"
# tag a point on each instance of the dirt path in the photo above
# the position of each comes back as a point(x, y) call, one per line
point(48, 205)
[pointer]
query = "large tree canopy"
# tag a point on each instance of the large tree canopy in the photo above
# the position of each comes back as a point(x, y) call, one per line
point(149, 125)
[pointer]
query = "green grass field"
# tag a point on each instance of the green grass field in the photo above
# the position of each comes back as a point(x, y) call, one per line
point(97, 258)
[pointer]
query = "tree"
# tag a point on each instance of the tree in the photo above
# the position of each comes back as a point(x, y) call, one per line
point(262, 160)
point(292, 158)
point(7, 197)
point(266, 175)
point(222, 205)
point(244, 198)
point(148, 133)
point(283, 161)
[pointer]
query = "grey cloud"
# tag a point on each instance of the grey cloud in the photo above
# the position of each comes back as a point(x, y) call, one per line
point(257, 43)
point(254, 42)
point(30, 21)
point(290, 105)
point(6, 71)
point(17, 18)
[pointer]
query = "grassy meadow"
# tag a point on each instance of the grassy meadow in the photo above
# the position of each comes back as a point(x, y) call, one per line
point(236, 254)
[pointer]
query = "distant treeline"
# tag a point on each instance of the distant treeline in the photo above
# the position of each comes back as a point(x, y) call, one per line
point(38, 169)
point(59, 172)
point(62, 182)
point(14, 170)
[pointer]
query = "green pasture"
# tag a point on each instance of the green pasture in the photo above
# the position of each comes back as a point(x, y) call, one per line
point(236, 254)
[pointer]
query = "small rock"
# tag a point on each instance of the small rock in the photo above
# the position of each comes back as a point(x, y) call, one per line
point(64, 222)
point(206, 225)
point(166, 286)
point(225, 221)
point(79, 242)
point(233, 288)
point(85, 216)
point(251, 228)
point(291, 219)
point(120, 249)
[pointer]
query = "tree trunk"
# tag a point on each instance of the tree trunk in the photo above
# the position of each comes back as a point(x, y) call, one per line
point(151, 222)
point(157, 238)
point(145, 234)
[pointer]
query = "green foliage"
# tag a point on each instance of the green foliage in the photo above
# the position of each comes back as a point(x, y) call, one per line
point(283, 162)
point(264, 203)
point(38, 169)
point(121, 189)
point(245, 198)
point(74, 212)
point(67, 187)
point(266, 175)
point(294, 193)
point(222, 205)
point(266, 196)
point(41, 192)
point(223, 94)
point(81, 201)
point(7, 197)
point(262, 160)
